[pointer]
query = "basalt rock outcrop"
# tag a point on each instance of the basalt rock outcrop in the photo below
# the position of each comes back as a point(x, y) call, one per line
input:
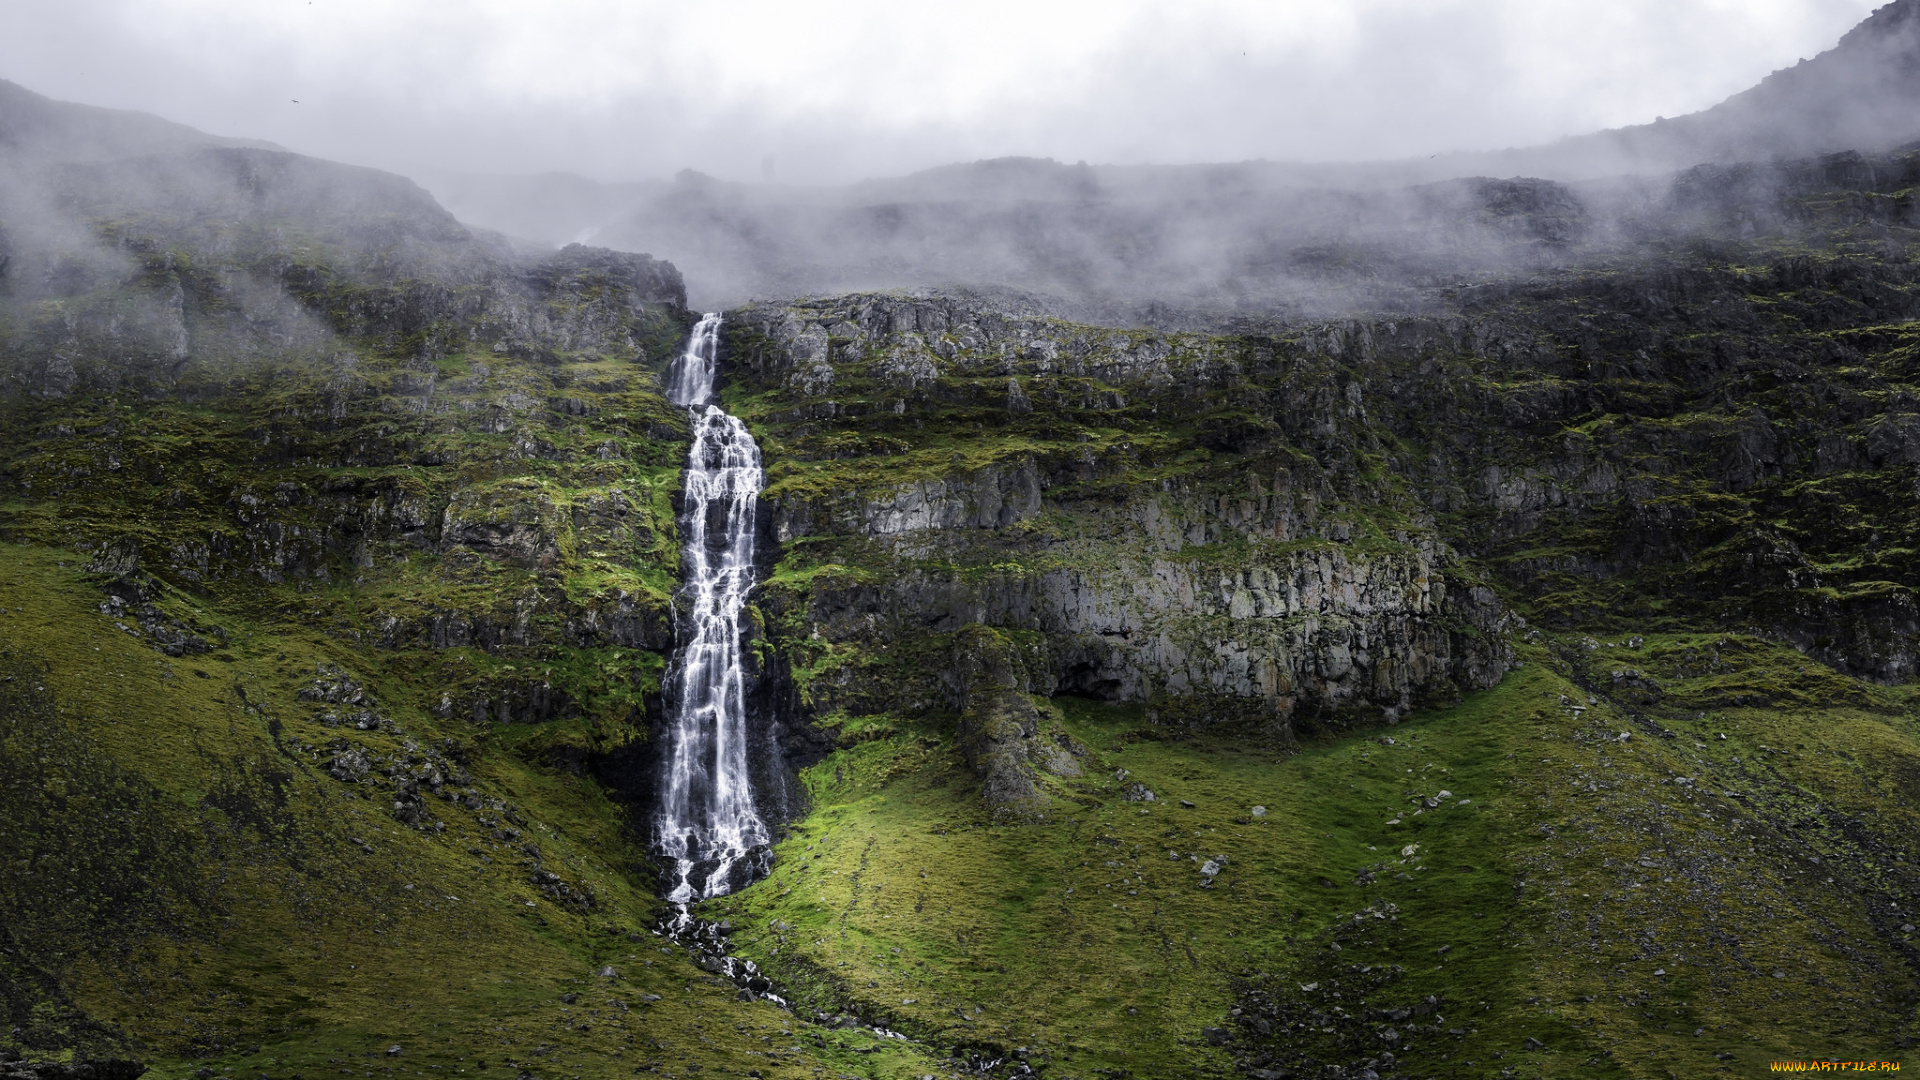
point(1001, 734)
point(950, 464)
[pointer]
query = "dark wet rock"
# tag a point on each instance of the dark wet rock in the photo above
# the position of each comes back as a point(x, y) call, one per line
point(408, 807)
point(515, 522)
point(121, 558)
point(1017, 402)
point(578, 897)
point(335, 687)
point(133, 602)
point(348, 765)
point(1635, 687)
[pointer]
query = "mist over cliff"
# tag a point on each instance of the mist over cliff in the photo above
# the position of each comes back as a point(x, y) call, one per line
point(1231, 237)
point(1246, 237)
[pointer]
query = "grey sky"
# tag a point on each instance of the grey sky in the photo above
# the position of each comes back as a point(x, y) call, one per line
point(840, 89)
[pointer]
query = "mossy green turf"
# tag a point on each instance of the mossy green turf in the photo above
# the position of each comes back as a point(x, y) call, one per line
point(311, 956)
point(1091, 940)
point(311, 928)
point(320, 955)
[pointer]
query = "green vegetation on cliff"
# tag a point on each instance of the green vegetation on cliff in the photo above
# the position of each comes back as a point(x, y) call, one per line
point(1537, 671)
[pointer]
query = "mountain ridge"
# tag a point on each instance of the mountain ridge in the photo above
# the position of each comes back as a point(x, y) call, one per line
point(42, 127)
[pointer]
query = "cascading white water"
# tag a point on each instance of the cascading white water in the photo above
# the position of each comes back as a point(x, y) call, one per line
point(706, 822)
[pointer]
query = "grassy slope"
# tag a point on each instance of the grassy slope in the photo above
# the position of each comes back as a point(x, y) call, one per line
point(1771, 887)
point(312, 951)
point(1566, 869)
point(317, 952)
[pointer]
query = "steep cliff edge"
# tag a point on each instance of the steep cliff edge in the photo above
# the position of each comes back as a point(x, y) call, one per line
point(1196, 522)
point(1294, 527)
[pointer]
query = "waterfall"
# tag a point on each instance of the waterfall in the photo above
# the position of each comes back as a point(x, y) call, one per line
point(706, 822)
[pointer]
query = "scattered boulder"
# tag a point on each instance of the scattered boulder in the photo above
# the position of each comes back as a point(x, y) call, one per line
point(335, 687)
point(132, 602)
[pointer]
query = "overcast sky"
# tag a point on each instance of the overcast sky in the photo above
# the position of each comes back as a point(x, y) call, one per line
point(832, 90)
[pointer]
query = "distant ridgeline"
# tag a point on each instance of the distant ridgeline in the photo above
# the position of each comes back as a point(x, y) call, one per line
point(1309, 240)
point(1529, 665)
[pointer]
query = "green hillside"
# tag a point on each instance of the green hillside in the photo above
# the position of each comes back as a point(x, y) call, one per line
point(1520, 687)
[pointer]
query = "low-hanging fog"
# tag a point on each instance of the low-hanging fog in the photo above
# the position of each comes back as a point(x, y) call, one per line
point(851, 89)
point(1235, 155)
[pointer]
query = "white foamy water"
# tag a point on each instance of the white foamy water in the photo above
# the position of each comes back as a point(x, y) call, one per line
point(706, 822)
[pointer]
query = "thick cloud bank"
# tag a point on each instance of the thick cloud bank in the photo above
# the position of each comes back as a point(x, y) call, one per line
point(846, 89)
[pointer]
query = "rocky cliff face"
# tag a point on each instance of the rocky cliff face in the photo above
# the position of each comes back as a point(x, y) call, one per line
point(1285, 525)
point(1181, 520)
